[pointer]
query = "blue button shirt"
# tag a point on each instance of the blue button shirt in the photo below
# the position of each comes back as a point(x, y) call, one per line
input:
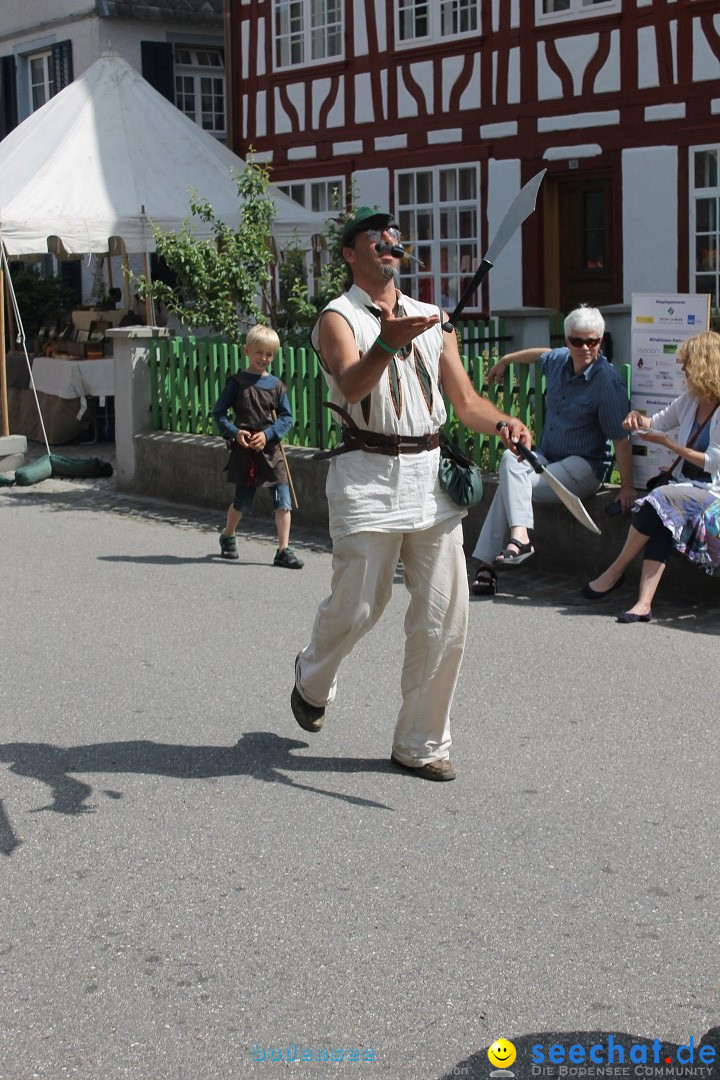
point(582, 412)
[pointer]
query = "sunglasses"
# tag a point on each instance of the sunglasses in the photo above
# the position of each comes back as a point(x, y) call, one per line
point(375, 235)
point(578, 342)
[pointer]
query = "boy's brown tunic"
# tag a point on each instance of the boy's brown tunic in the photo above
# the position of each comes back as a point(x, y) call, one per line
point(254, 408)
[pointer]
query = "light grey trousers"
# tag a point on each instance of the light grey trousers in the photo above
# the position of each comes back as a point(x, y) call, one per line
point(364, 566)
point(519, 486)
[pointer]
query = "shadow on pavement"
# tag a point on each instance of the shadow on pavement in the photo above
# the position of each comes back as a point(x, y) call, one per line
point(597, 1053)
point(261, 755)
point(177, 560)
point(96, 496)
point(544, 589)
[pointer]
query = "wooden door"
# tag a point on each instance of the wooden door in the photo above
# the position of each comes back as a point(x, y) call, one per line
point(587, 268)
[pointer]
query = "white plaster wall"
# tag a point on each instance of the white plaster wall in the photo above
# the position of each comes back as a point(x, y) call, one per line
point(373, 188)
point(505, 278)
point(647, 57)
point(452, 67)
point(360, 26)
point(422, 74)
point(705, 63)
point(649, 220)
point(253, 40)
point(577, 52)
point(20, 15)
point(608, 78)
point(363, 100)
point(283, 122)
point(513, 85)
point(549, 86)
point(514, 14)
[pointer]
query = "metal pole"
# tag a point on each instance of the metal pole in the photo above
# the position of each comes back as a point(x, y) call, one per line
point(3, 368)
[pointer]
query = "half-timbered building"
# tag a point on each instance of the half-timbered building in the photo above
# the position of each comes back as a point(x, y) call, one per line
point(443, 109)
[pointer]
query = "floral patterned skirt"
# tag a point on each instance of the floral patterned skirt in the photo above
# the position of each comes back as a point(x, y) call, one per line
point(692, 515)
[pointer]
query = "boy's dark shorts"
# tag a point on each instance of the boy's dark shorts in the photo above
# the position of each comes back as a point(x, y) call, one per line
point(244, 497)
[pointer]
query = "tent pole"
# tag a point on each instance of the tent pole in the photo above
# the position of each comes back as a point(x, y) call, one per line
point(10, 315)
point(149, 320)
point(126, 281)
point(3, 369)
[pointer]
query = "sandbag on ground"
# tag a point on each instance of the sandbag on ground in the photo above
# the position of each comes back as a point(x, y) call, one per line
point(69, 467)
point(57, 465)
point(34, 472)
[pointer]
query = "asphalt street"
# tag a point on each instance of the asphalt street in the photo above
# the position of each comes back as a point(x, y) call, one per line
point(190, 881)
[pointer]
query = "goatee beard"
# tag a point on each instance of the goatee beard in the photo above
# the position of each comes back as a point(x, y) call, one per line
point(390, 273)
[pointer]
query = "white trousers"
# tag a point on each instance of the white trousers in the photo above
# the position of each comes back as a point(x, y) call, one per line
point(364, 566)
point(519, 486)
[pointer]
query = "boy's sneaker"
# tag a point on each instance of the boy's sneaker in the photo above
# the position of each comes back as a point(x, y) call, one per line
point(288, 558)
point(228, 547)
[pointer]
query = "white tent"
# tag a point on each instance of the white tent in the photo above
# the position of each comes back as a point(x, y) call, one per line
point(110, 157)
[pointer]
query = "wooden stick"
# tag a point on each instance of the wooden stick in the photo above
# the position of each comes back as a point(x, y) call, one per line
point(287, 467)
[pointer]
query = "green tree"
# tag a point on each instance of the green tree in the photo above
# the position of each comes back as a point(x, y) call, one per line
point(222, 282)
point(296, 309)
point(42, 300)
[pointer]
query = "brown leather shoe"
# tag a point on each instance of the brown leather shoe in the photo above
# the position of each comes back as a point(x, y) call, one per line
point(434, 770)
point(309, 717)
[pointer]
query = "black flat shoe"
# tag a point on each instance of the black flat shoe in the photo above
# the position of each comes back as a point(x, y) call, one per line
point(593, 594)
point(627, 617)
point(485, 581)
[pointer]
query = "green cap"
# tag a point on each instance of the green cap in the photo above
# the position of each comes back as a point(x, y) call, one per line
point(365, 217)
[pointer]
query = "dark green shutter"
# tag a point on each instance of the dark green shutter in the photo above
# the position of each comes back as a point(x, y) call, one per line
point(158, 67)
point(61, 66)
point(8, 95)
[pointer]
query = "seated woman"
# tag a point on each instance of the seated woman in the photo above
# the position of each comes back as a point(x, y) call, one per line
point(585, 403)
point(684, 516)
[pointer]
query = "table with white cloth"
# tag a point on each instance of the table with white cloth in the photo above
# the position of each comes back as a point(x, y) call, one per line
point(68, 377)
point(63, 386)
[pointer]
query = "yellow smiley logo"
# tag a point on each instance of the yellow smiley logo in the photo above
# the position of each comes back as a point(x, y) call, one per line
point(502, 1053)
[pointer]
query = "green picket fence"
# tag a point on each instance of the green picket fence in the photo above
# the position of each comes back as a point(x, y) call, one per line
point(188, 375)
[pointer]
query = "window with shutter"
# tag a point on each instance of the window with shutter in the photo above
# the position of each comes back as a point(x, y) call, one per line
point(158, 67)
point(60, 66)
point(8, 95)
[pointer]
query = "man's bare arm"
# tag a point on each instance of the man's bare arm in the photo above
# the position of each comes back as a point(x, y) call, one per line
point(474, 411)
point(522, 356)
point(354, 374)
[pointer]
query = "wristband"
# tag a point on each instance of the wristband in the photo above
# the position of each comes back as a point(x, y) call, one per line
point(379, 341)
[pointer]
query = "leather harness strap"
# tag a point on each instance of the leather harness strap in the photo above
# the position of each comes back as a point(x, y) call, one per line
point(376, 442)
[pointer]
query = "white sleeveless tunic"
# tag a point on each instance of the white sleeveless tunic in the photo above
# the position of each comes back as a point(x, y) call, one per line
point(377, 492)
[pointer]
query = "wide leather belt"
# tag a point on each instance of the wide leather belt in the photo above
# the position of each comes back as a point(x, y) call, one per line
point(376, 442)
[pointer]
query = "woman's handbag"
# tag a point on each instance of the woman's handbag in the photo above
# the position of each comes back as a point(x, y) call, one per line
point(459, 476)
point(665, 476)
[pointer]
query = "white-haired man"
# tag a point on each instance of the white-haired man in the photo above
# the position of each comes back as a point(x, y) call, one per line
point(585, 405)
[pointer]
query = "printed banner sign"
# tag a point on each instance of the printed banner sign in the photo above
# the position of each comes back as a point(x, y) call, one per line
point(660, 324)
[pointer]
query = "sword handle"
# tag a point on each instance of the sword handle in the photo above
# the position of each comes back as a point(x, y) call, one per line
point(483, 269)
point(530, 457)
point(524, 451)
